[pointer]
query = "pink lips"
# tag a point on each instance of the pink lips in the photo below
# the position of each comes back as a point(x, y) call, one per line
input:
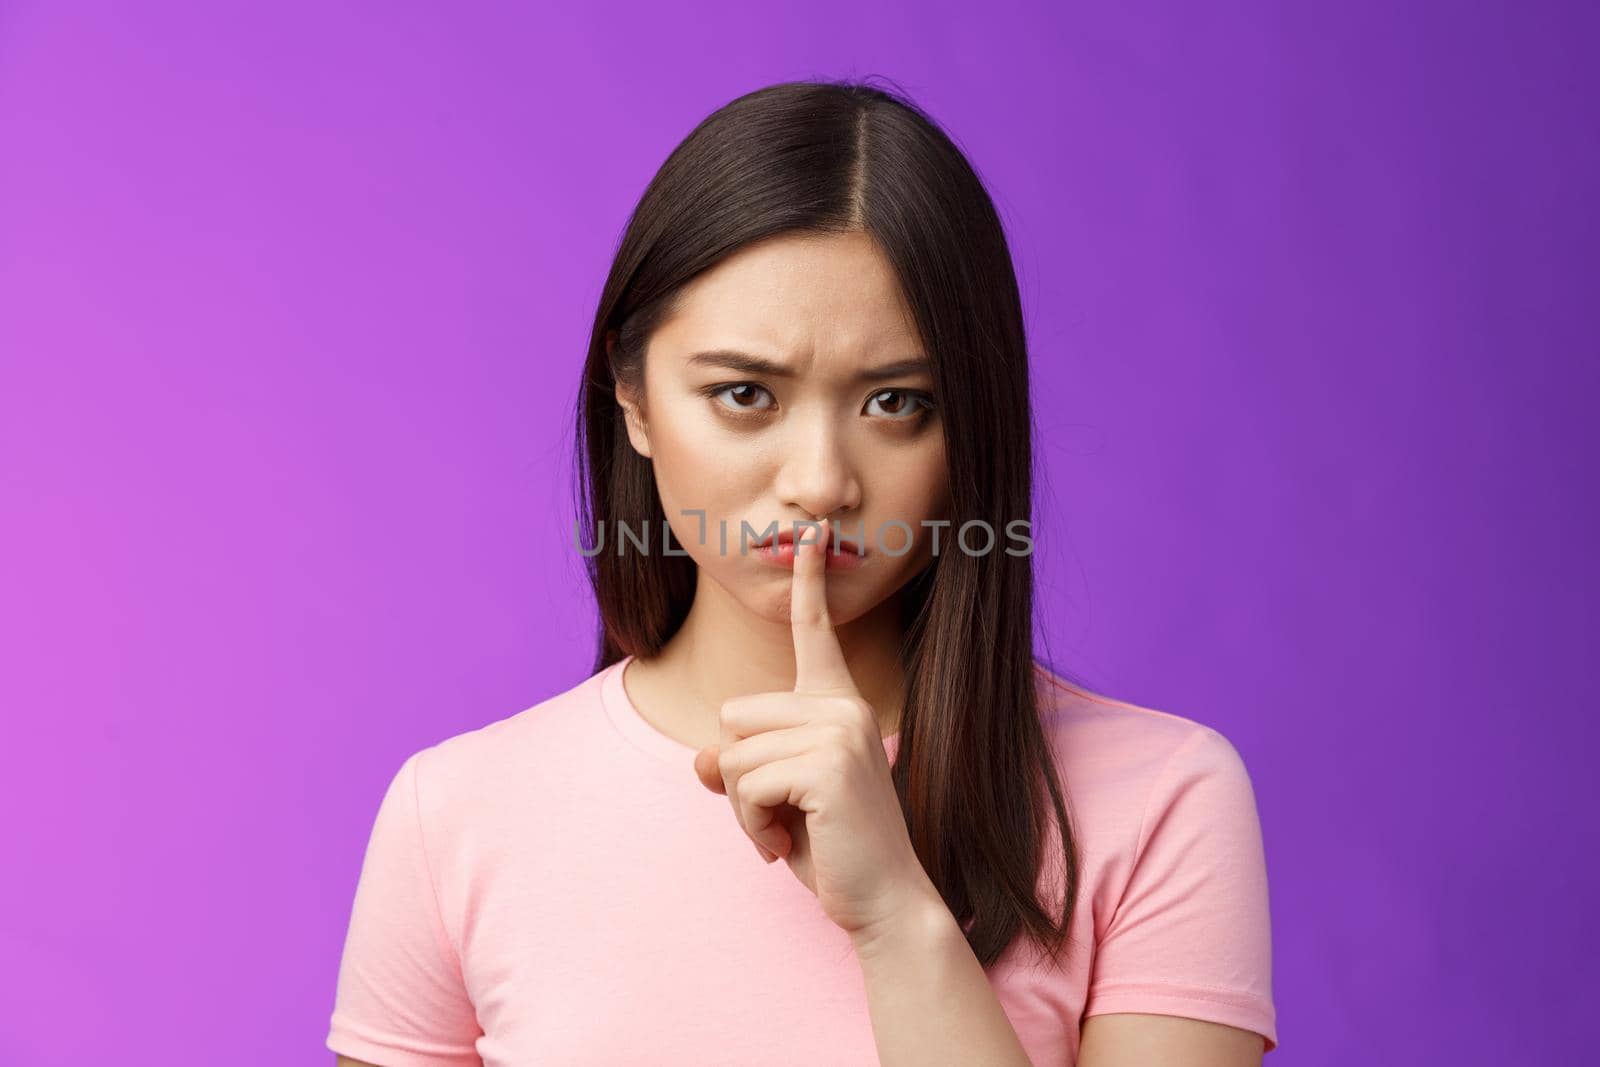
point(779, 551)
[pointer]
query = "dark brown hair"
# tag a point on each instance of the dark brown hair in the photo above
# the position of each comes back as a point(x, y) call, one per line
point(973, 769)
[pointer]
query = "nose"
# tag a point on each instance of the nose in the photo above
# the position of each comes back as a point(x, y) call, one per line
point(816, 474)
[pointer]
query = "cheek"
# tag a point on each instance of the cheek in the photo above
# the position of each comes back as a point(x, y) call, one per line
point(698, 469)
point(919, 490)
point(684, 455)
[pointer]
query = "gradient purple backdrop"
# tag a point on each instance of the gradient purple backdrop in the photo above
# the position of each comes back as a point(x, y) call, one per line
point(293, 301)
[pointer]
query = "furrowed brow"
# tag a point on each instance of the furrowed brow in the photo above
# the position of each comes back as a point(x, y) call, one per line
point(745, 363)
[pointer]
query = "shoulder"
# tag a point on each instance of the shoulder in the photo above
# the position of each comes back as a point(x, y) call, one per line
point(1126, 766)
point(483, 770)
point(1101, 735)
point(1174, 872)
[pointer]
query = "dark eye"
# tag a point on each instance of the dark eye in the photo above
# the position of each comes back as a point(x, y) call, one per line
point(903, 403)
point(742, 393)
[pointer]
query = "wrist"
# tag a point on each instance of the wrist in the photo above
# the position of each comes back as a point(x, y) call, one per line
point(923, 919)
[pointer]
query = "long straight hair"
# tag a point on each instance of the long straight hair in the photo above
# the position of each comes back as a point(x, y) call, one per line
point(973, 770)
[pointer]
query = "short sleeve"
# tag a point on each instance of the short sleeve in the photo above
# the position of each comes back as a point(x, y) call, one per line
point(401, 1000)
point(1191, 934)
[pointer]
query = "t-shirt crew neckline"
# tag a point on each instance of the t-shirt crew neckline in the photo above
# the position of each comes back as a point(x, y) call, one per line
point(622, 712)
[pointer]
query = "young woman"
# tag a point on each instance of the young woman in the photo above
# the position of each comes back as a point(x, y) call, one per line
point(806, 490)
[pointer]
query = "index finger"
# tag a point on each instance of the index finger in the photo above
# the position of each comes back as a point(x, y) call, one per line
point(819, 664)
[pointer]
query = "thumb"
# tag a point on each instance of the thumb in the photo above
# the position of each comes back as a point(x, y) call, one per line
point(705, 765)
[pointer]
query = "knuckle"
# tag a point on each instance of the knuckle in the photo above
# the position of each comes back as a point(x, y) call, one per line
point(841, 735)
point(861, 710)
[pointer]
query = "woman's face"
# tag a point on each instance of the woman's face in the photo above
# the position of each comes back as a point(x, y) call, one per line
point(836, 426)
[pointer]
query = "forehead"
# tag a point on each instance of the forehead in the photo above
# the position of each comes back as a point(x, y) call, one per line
point(833, 295)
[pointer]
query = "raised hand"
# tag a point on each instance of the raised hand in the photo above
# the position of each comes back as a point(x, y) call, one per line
point(807, 775)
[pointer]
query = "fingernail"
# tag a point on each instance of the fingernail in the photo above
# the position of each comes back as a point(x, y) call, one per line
point(765, 853)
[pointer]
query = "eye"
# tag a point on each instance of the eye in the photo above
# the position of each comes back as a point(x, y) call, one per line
point(904, 404)
point(740, 395)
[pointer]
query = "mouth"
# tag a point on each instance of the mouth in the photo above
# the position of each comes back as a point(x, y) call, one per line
point(835, 546)
point(780, 549)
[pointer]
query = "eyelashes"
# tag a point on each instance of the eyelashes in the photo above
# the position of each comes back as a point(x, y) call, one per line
point(923, 402)
point(717, 392)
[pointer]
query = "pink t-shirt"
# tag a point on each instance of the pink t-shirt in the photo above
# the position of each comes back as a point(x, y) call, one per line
point(558, 887)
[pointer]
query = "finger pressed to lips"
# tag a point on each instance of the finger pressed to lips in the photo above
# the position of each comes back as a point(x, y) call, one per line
point(820, 670)
point(840, 557)
point(819, 663)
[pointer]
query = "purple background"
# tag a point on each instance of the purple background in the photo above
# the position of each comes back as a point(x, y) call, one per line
point(292, 308)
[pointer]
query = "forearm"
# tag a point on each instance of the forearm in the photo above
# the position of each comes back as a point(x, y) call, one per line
point(929, 999)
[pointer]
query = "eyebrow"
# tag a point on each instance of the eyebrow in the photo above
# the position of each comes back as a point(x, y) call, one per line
point(748, 364)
